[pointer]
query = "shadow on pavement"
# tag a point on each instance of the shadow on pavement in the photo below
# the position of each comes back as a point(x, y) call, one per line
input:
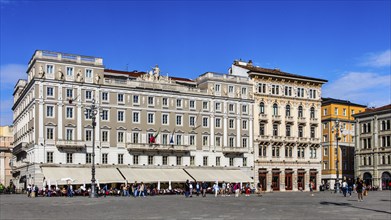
point(350, 205)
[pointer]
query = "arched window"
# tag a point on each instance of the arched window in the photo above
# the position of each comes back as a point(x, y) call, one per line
point(312, 112)
point(288, 110)
point(262, 108)
point(300, 111)
point(275, 109)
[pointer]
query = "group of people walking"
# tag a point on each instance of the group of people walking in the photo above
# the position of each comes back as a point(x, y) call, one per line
point(349, 186)
point(226, 189)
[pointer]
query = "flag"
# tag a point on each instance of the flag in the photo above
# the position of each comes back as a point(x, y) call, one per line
point(172, 137)
point(152, 139)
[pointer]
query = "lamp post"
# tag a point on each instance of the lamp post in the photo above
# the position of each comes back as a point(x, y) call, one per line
point(336, 128)
point(91, 113)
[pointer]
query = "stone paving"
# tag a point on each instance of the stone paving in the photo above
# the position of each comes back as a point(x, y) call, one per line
point(276, 205)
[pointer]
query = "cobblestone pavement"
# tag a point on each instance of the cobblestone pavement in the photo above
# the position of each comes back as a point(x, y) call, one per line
point(277, 205)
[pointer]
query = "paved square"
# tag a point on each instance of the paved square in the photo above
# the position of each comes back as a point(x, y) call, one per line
point(277, 205)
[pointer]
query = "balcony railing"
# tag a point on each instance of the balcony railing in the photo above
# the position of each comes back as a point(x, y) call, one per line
point(276, 118)
point(19, 148)
point(289, 119)
point(262, 117)
point(301, 120)
point(302, 139)
point(68, 144)
point(235, 149)
point(160, 147)
point(313, 120)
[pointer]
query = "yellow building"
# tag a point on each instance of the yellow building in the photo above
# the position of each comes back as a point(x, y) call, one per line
point(341, 111)
point(6, 143)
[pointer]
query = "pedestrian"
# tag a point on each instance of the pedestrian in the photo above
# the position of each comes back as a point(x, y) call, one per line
point(350, 187)
point(236, 189)
point(204, 187)
point(311, 186)
point(105, 192)
point(191, 189)
point(229, 189)
point(142, 188)
point(223, 189)
point(135, 189)
point(29, 190)
point(259, 188)
point(198, 187)
point(248, 189)
point(359, 189)
point(344, 187)
point(216, 188)
point(187, 188)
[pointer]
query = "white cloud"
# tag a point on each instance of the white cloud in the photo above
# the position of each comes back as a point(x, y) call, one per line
point(382, 59)
point(361, 87)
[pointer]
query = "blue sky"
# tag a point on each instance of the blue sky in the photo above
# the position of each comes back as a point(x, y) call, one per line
point(345, 42)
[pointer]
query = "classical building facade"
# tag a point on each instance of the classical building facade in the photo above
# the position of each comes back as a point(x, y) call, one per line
point(334, 110)
point(6, 144)
point(143, 119)
point(287, 127)
point(373, 146)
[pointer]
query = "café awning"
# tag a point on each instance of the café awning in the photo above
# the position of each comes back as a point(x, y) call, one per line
point(154, 175)
point(212, 175)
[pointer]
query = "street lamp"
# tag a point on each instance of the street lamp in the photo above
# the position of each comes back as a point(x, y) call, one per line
point(336, 128)
point(91, 113)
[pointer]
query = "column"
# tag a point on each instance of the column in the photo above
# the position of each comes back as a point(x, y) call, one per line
point(79, 116)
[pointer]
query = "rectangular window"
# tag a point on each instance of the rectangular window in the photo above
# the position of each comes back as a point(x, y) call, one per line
point(105, 96)
point(275, 89)
point(179, 160)
point(288, 130)
point(218, 161)
point(165, 160)
point(69, 71)
point(275, 129)
point(300, 92)
point(150, 117)
point(150, 100)
point(120, 159)
point(244, 142)
point(179, 103)
point(49, 157)
point(136, 118)
point(69, 134)
point(205, 122)
point(49, 69)
point(192, 140)
point(88, 73)
point(192, 104)
point(105, 136)
point(244, 109)
point(300, 131)
point(135, 137)
point(88, 95)
point(218, 122)
point(120, 137)
point(218, 106)
point(288, 91)
point(344, 112)
point(179, 120)
point(70, 93)
point(325, 111)
point(121, 116)
point(192, 160)
point(231, 142)
point(150, 160)
point(104, 158)
point(312, 135)
point(69, 158)
point(49, 133)
point(205, 140)
point(88, 135)
point(230, 89)
point(244, 91)
point(49, 92)
point(165, 139)
point(179, 139)
point(135, 159)
point(88, 158)
point(244, 161)
point(218, 141)
point(231, 108)
point(191, 121)
point(261, 129)
point(120, 98)
point(88, 114)
point(165, 102)
point(231, 123)
point(217, 88)
point(69, 112)
point(335, 111)
point(165, 119)
point(205, 160)
point(231, 161)
point(262, 88)
point(205, 106)
point(136, 99)
point(105, 115)
point(244, 124)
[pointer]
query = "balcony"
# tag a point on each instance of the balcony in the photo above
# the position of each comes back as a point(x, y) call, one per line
point(264, 138)
point(314, 140)
point(235, 150)
point(22, 146)
point(302, 139)
point(290, 139)
point(289, 119)
point(160, 147)
point(276, 118)
point(262, 117)
point(277, 138)
point(301, 120)
point(313, 120)
point(71, 145)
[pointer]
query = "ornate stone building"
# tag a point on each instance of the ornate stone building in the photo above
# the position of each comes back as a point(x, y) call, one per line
point(373, 146)
point(286, 127)
point(145, 120)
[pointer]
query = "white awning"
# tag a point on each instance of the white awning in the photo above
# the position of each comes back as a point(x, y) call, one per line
point(81, 175)
point(154, 175)
point(212, 175)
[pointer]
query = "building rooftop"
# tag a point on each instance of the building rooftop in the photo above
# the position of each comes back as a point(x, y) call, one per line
point(136, 74)
point(374, 110)
point(276, 72)
point(327, 101)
